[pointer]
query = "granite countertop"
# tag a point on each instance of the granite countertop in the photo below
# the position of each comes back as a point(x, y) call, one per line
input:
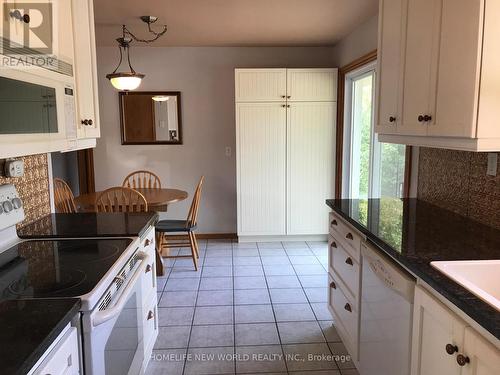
point(28, 329)
point(90, 225)
point(414, 233)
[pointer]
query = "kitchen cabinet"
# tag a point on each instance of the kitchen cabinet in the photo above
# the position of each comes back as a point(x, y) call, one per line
point(444, 344)
point(285, 130)
point(438, 79)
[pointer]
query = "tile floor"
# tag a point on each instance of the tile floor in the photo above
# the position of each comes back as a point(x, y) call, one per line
point(250, 308)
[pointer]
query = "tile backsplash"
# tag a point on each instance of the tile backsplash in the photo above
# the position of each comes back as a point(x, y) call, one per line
point(457, 181)
point(33, 187)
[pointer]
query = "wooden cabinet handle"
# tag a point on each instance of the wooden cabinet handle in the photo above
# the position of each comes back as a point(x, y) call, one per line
point(451, 349)
point(283, 96)
point(332, 285)
point(91, 122)
point(151, 315)
point(85, 122)
point(347, 307)
point(334, 222)
point(333, 245)
point(349, 236)
point(427, 118)
point(147, 242)
point(420, 118)
point(349, 261)
point(288, 96)
point(148, 268)
point(462, 360)
point(392, 119)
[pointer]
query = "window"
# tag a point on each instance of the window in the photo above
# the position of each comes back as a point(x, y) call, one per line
point(371, 169)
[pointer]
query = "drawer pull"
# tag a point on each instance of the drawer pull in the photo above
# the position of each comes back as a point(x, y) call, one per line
point(347, 307)
point(451, 349)
point(333, 245)
point(148, 268)
point(349, 236)
point(332, 285)
point(462, 360)
point(334, 222)
point(151, 315)
point(147, 242)
point(349, 261)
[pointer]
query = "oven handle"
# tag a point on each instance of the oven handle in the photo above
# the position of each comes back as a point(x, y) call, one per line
point(103, 316)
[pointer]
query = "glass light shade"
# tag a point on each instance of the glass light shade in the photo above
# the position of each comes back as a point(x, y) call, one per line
point(160, 98)
point(126, 82)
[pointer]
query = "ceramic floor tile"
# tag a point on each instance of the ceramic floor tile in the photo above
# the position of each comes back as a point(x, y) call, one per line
point(175, 316)
point(219, 271)
point(293, 312)
point(317, 244)
point(251, 297)
point(304, 269)
point(295, 295)
point(253, 314)
point(243, 253)
point(248, 271)
point(174, 285)
point(321, 311)
point(218, 261)
point(245, 245)
point(316, 294)
point(275, 260)
point(282, 282)
point(299, 251)
point(279, 270)
point(256, 334)
point(212, 335)
point(329, 331)
point(185, 273)
point(160, 283)
point(300, 332)
point(303, 260)
point(269, 245)
point(314, 281)
point(178, 299)
point(302, 357)
point(213, 315)
point(250, 282)
point(214, 298)
point(166, 362)
point(342, 356)
point(317, 372)
point(272, 253)
point(172, 337)
point(184, 263)
point(246, 261)
point(219, 253)
point(216, 283)
point(260, 359)
point(204, 361)
point(294, 245)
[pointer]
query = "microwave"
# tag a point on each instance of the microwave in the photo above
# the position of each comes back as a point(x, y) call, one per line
point(37, 111)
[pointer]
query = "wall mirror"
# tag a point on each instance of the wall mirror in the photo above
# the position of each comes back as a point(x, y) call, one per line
point(148, 117)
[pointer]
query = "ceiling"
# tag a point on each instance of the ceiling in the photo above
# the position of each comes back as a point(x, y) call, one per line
point(235, 22)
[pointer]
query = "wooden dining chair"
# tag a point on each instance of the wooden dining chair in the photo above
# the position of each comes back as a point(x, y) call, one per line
point(121, 199)
point(182, 226)
point(64, 200)
point(142, 180)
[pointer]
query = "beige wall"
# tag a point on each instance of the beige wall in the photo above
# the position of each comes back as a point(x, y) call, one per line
point(358, 43)
point(205, 77)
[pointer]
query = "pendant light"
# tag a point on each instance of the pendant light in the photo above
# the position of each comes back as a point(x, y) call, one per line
point(129, 79)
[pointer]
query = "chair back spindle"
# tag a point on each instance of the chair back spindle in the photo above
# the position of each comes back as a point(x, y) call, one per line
point(64, 201)
point(121, 199)
point(142, 180)
point(195, 204)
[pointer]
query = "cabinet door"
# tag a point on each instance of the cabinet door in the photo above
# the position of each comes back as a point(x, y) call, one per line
point(85, 68)
point(312, 85)
point(434, 326)
point(260, 85)
point(484, 357)
point(389, 69)
point(419, 71)
point(458, 69)
point(261, 144)
point(310, 165)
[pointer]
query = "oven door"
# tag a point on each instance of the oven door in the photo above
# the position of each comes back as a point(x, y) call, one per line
point(113, 337)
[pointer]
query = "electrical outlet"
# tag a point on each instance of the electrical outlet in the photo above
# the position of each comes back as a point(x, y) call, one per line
point(492, 164)
point(228, 151)
point(14, 168)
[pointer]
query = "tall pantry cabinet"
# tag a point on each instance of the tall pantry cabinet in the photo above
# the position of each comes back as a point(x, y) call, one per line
point(285, 139)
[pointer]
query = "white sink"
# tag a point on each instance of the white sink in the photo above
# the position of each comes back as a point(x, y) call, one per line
point(480, 277)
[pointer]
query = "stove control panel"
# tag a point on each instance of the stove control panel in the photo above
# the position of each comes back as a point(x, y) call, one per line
point(11, 206)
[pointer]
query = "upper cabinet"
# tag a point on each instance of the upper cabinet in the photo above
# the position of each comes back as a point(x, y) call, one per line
point(263, 85)
point(439, 74)
point(312, 85)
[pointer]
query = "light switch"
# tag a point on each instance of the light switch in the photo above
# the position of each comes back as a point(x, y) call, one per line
point(492, 164)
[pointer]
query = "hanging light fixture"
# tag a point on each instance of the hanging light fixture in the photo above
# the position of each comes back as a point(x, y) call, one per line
point(160, 98)
point(129, 79)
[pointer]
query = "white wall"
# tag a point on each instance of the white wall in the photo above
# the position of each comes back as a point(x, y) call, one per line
point(205, 77)
point(358, 43)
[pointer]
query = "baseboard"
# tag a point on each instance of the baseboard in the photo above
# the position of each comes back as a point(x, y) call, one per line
point(208, 236)
point(291, 238)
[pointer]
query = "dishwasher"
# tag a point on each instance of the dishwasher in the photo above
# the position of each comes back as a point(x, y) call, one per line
point(386, 315)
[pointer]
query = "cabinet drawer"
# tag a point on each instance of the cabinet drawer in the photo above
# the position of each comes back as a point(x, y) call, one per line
point(342, 265)
point(63, 359)
point(346, 235)
point(150, 319)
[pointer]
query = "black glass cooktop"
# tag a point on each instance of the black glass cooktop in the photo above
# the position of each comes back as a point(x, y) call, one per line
point(59, 268)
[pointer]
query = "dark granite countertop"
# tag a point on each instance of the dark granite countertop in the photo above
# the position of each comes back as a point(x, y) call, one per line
point(28, 328)
point(89, 225)
point(414, 233)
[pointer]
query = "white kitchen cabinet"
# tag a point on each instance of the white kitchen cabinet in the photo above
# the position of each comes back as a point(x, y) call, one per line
point(261, 144)
point(285, 121)
point(260, 85)
point(448, 81)
point(85, 66)
point(310, 160)
point(444, 344)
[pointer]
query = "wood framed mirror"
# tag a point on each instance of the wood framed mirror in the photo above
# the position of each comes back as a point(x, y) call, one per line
point(150, 117)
